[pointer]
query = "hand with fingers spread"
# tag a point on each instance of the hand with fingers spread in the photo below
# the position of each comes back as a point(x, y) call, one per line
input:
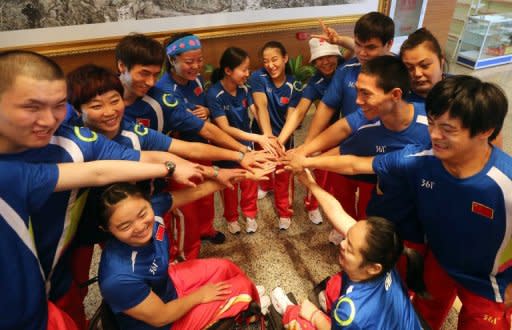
point(201, 112)
point(331, 36)
point(187, 172)
point(228, 176)
point(294, 162)
point(256, 159)
point(268, 143)
point(260, 174)
point(212, 292)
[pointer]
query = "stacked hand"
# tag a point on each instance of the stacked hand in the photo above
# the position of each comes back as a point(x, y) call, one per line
point(293, 160)
point(271, 145)
point(256, 159)
point(187, 172)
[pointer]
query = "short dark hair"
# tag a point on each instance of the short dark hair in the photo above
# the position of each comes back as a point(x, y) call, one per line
point(375, 25)
point(231, 58)
point(114, 194)
point(390, 72)
point(419, 37)
point(384, 246)
point(139, 49)
point(480, 106)
point(14, 63)
point(88, 81)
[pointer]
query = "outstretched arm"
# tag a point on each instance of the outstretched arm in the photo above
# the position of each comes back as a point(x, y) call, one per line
point(103, 172)
point(343, 164)
point(294, 119)
point(340, 219)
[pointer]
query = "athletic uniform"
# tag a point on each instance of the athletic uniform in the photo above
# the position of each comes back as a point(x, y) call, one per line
point(55, 224)
point(235, 109)
point(128, 274)
point(314, 90)
point(341, 96)
point(467, 227)
point(381, 303)
point(24, 189)
point(191, 94)
point(164, 112)
point(370, 138)
point(279, 99)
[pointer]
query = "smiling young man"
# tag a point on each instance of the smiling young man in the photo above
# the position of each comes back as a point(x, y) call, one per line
point(384, 122)
point(32, 108)
point(373, 36)
point(460, 190)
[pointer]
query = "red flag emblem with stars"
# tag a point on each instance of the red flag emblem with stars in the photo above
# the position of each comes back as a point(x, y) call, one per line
point(160, 233)
point(198, 90)
point(284, 100)
point(483, 210)
point(244, 103)
point(143, 121)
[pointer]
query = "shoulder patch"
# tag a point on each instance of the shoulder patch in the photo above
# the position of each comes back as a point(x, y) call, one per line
point(351, 315)
point(89, 136)
point(169, 100)
point(140, 130)
point(297, 85)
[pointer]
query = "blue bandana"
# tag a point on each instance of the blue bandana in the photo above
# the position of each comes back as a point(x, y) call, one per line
point(182, 45)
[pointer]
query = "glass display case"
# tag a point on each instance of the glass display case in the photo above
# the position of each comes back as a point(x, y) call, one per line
point(487, 41)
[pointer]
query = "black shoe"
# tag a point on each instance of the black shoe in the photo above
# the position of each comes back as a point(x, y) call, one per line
point(218, 238)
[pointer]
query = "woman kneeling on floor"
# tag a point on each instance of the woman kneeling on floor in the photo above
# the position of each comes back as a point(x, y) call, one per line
point(146, 292)
point(368, 293)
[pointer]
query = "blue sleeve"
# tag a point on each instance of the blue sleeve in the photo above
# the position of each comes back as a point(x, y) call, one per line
point(216, 109)
point(356, 119)
point(257, 83)
point(177, 116)
point(310, 92)
point(394, 165)
point(333, 96)
point(123, 292)
point(297, 93)
point(40, 181)
point(154, 140)
point(105, 149)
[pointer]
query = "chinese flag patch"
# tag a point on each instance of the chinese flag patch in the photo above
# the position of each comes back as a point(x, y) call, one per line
point(198, 90)
point(284, 100)
point(244, 103)
point(160, 233)
point(482, 210)
point(143, 121)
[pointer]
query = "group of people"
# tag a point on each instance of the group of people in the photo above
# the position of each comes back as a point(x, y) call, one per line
point(394, 141)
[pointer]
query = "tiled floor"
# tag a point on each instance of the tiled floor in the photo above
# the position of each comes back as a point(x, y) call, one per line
point(300, 257)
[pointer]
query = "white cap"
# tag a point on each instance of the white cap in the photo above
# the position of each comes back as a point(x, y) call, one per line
point(319, 47)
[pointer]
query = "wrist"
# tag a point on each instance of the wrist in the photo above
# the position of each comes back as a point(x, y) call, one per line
point(313, 315)
point(241, 156)
point(215, 171)
point(171, 168)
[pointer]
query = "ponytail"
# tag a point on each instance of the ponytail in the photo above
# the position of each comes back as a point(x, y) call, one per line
point(216, 75)
point(414, 277)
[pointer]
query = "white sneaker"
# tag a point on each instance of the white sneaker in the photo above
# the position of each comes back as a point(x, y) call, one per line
point(335, 237)
point(264, 304)
point(280, 300)
point(234, 227)
point(322, 300)
point(284, 223)
point(315, 216)
point(262, 193)
point(251, 225)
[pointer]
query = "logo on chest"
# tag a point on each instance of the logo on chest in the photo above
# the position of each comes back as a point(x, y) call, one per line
point(380, 149)
point(143, 121)
point(153, 268)
point(427, 184)
point(198, 90)
point(351, 84)
point(483, 210)
point(284, 100)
